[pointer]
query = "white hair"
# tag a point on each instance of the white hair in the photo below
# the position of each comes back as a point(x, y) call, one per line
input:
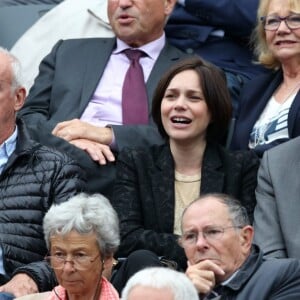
point(162, 278)
point(16, 68)
point(85, 214)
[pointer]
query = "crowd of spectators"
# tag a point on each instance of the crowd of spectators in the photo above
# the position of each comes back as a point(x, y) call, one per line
point(203, 181)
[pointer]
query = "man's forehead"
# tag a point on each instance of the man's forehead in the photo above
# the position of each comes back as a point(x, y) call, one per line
point(5, 68)
point(208, 203)
point(206, 208)
point(4, 80)
point(4, 59)
point(201, 218)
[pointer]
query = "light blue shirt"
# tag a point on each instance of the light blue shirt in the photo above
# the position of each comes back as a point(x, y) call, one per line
point(6, 150)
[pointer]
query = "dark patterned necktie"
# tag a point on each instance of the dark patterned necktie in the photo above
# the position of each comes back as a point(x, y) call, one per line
point(134, 94)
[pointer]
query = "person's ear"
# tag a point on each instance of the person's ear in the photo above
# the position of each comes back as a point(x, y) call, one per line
point(169, 6)
point(246, 237)
point(107, 265)
point(19, 98)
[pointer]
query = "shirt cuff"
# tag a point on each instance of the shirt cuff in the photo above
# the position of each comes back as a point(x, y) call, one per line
point(113, 144)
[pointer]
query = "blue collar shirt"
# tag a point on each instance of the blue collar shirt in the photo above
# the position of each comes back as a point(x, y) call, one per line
point(7, 148)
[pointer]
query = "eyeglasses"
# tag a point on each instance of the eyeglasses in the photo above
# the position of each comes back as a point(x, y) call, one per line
point(210, 234)
point(273, 22)
point(78, 261)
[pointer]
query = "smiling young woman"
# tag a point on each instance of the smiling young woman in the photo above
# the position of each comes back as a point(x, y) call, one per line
point(192, 109)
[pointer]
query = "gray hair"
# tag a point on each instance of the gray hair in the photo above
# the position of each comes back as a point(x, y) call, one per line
point(16, 68)
point(85, 214)
point(162, 278)
point(237, 213)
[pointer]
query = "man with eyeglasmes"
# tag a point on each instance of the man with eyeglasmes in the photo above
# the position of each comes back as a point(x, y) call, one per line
point(223, 262)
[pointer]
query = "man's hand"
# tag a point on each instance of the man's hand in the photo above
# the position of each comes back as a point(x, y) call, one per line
point(20, 285)
point(77, 129)
point(98, 152)
point(203, 275)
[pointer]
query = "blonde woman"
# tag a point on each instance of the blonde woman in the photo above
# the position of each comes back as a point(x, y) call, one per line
point(270, 104)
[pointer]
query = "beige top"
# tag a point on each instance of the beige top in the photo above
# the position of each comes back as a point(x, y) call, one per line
point(187, 189)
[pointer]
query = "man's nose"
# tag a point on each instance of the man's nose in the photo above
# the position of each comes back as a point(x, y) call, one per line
point(201, 240)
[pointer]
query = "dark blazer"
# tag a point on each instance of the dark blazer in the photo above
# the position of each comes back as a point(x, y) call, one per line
point(144, 194)
point(254, 99)
point(67, 79)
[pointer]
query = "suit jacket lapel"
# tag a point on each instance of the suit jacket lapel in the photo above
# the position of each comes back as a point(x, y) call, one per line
point(212, 178)
point(163, 182)
point(292, 117)
point(254, 103)
point(97, 53)
point(270, 87)
point(163, 189)
point(266, 89)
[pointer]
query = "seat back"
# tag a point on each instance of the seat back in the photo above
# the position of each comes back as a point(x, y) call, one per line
point(16, 19)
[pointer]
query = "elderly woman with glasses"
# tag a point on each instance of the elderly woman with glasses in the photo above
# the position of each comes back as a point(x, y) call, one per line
point(270, 104)
point(82, 236)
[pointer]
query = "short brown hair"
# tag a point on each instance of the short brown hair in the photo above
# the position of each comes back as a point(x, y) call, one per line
point(213, 84)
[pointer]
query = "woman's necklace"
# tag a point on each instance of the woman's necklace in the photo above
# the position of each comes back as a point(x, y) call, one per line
point(289, 94)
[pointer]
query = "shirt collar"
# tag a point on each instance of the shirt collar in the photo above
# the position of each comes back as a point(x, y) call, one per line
point(250, 266)
point(230, 278)
point(152, 49)
point(9, 146)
